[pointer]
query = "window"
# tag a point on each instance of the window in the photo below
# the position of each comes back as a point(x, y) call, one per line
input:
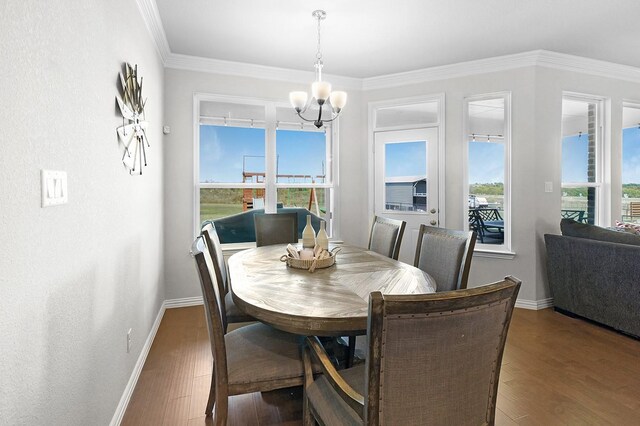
point(488, 140)
point(256, 156)
point(582, 140)
point(631, 163)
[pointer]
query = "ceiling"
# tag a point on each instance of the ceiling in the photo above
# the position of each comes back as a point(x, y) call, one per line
point(378, 37)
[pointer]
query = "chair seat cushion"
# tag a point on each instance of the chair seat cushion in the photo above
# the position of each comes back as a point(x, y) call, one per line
point(234, 314)
point(327, 403)
point(260, 353)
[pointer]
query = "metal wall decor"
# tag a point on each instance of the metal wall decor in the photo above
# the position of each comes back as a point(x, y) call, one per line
point(132, 134)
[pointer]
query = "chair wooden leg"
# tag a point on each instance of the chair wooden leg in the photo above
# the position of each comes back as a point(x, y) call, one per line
point(222, 410)
point(352, 351)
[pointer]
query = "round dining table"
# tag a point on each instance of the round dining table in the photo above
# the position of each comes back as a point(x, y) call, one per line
point(333, 301)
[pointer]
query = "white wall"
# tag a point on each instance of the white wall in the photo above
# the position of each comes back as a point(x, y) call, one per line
point(180, 86)
point(74, 278)
point(520, 82)
point(549, 86)
point(536, 118)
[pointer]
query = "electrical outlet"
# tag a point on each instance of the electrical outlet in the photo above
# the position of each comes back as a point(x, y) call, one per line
point(129, 341)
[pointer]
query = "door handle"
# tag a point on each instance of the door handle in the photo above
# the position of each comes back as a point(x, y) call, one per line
point(433, 211)
point(434, 222)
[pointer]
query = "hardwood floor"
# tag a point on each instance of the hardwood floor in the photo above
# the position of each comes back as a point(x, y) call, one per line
point(556, 371)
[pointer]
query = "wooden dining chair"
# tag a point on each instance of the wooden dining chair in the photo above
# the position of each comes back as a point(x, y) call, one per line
point(445, 254)
point(277, 228)
point(254, 358)
point(434, 359)
point(233, 315)
point(385, 237)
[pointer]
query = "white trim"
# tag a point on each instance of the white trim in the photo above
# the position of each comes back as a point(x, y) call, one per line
point(543, 58)
point(535, 305)
point(492, 254)
point(137, 369)
point(243, 69)
point(151, 17)
point(374, 106)
point(183, 302)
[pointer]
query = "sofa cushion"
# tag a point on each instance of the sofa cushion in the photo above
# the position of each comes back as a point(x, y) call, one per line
point(571, 228)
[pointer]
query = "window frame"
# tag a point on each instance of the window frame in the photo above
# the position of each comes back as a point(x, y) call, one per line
point(602, 184)
point(490, 250)
point(635, 104)
point(269, 185)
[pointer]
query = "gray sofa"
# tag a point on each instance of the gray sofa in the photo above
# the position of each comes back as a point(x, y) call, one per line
point(594, 273)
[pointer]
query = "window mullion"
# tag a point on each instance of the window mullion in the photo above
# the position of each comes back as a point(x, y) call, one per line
point(271, 196)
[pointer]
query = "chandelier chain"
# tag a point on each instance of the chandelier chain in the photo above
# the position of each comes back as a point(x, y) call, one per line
point(319, 52)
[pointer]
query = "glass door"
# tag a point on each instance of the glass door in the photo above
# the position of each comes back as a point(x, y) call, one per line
point(406, 181)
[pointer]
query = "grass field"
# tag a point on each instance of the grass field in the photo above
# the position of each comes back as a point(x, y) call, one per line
point(210, 211)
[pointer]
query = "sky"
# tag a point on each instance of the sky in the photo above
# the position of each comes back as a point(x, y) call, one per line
point(222, 150)
point(574, 157)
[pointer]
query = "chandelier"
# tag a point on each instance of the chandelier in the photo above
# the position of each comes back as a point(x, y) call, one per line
point(320, 90)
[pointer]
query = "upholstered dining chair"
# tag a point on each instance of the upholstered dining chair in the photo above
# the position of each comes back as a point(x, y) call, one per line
point(280, 228)
point(233, 315)
point(445, 254)
point(434, 359)
point(253, 358)
point(386, 236)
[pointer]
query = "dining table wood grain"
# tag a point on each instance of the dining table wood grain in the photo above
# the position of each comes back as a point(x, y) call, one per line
point(328, 302)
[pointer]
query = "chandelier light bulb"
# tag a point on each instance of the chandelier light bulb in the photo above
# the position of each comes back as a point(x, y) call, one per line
point(298, 100)
point(338, 99)
point(321, 90)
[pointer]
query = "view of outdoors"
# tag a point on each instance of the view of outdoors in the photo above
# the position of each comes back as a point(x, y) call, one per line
point(630, 167)
point(405, 176)
point(237, 155)
point(486, 169)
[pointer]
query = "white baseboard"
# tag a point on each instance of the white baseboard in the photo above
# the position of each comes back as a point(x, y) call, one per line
point(534, 304)
point(183, 303)
point(137, 369)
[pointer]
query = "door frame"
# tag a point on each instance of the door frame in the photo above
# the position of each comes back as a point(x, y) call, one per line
point(439, 124)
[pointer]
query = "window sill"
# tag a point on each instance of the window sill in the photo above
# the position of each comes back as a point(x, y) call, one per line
point(493, 254)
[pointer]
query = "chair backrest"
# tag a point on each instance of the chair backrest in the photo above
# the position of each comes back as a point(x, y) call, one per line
point(215, 315)
point(280, 228)
point(435, 358)
point(634, 208)
point(212, 240)
point(386, 236)
point(445, 254)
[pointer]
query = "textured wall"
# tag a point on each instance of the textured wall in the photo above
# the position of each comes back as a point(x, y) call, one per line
point(74, 278)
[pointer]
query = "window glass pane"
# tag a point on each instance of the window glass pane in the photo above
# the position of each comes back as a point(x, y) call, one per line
point(301, 156)
point(231, 154)
point(405, 172)
point(574, 203)
point(230, 209)
point(307, 200)
point(579, 159)
point(406, 115)
point(486, 170)
point(631, 164)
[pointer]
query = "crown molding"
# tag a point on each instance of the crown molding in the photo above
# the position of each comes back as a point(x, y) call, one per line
point(151, 17)
point(461, 69)
point(543, 58)
point(562, 61)
point(241, 69)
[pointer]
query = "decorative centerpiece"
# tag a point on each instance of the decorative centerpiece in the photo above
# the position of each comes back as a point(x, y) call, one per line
point(310, 259)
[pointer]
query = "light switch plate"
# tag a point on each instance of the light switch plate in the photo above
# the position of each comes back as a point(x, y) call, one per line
point(54, 187)
point(548, 187)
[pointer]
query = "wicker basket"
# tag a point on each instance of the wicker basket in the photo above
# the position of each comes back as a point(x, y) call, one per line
point(309, 263)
